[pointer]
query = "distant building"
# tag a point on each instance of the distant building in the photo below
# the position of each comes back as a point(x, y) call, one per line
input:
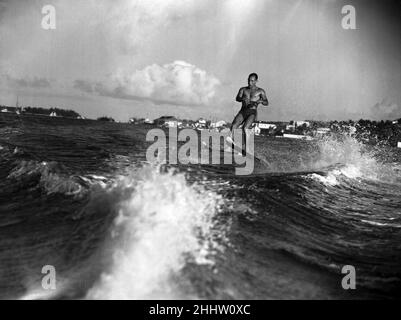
point(264, 128)
point(4, 110)
point(302, 123)
point(399, 144)
point(322, 131)
point(136, 121)
point(265, 125)
point(187, 124)
point(173, 123)
point(290, 127)
point(218, 124)
point(201, 124)
point(141, 121)
point(53, 114)
point(162, 120)
point(296, 136)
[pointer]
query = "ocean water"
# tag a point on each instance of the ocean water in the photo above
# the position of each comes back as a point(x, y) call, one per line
point(79, 195)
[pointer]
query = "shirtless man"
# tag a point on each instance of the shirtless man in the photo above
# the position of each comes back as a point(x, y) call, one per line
point(250, 97)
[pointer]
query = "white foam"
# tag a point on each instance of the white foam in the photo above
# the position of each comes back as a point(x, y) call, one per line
point(330, 179)
point(39, 294)
point(163, 223)
point(352, 171)
point(359, 161)
point(36, 292)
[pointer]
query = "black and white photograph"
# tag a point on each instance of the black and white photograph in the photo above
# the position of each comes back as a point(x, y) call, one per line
point(200, 150)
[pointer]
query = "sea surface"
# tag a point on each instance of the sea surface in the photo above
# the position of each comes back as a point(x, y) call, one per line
point(80, 196)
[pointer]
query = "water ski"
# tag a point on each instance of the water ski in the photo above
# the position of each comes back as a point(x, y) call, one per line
point(232, 146)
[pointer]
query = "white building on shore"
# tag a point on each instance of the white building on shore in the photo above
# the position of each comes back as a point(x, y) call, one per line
point(322, 131)
point(302, 123)
point(201, 124)
point(262, 127)
point(290, 127)
point(173, 123)
point(297, 136)
point(218, 124)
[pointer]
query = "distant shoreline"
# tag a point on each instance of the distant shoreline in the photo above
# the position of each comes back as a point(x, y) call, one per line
point(51, 112)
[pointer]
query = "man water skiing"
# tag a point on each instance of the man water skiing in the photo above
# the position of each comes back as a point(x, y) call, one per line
point(250, 97)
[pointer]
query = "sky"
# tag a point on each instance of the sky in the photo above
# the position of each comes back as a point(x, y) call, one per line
point(188, 58)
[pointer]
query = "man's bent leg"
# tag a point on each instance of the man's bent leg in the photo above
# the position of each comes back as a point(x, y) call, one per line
point(248, 131)
point(238, 120)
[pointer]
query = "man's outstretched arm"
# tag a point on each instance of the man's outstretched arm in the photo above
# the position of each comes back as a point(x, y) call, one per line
point(263, 99)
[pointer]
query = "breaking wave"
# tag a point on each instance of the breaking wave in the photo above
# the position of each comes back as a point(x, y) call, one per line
point(162, 224)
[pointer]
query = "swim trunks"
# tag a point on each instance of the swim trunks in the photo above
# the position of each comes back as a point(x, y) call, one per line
point(246, 112)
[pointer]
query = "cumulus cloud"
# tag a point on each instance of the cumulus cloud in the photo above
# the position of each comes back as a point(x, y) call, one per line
point(179, 83)
point(386, 110)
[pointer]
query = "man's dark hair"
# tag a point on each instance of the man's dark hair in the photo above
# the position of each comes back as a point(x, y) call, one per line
point(253, 75)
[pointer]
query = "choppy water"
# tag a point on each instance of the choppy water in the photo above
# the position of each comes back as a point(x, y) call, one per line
point(79, 195)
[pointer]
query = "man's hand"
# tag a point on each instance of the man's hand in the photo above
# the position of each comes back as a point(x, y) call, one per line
point(254, 103)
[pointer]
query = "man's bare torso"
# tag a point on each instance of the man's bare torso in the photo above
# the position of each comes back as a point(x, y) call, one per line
point(251, 94)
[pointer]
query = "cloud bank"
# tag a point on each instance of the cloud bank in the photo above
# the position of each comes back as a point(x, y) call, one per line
point(179, 83)
point(385, 110)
